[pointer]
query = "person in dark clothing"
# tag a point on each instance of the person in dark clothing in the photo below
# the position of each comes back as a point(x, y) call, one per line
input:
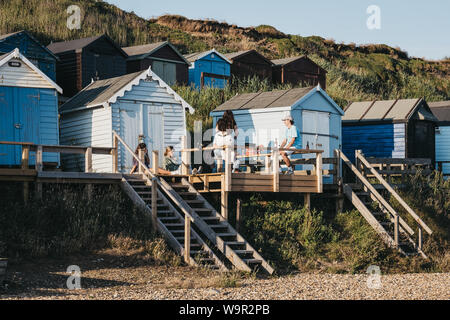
point(143, 147)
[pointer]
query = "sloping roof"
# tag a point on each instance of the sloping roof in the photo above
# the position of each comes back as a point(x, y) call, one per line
point(281, 62)
point(105, 92)
point(441, 110)
point(388, 110)
point(192, 57)
point(64, 46)
point(143, 51)
point(15, 54)
point(5, 36)
point(271, 99)
point(238, 54)
point(274, 99)
point(286, 61)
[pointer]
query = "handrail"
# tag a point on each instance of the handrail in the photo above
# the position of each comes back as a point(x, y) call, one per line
point(368, 185)
point(360, 156)
point(166, 187)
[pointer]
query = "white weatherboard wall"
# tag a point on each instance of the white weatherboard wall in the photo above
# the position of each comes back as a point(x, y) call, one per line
point(22, 76)
point(145, 109)
point(443, 147)
point(89, 127)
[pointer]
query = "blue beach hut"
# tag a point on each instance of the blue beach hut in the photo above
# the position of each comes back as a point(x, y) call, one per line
point(39, 55)
point(402, 128)
point(209, 68)
point(28, 108)
point(442, 112)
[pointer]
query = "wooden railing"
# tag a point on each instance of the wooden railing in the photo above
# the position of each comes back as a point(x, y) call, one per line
point(389, 167)
point(269, 155)
point(41, 149)
point(152, 179)
point(421, 225)
point(379, 198)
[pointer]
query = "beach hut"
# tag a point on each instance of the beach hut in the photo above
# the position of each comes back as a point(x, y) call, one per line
point(139, 106)
point(35, 52)
point(28, 108)
point(442, 112)
point(402, 128)
point(298, 70)
point(258, 117)
point(87, 59)
point(164, 59)
point(250, 63)
point(209, 68)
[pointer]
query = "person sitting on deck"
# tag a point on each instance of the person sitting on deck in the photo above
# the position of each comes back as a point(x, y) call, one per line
point(223, 138)
point(291, 141)
point(142, 146)
point(170, 163)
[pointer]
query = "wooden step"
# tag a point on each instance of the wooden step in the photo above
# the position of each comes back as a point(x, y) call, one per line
point(173, 218)
point(179, 187)
point(174, 225)
point(181, 239)
point(226, 234)
point(252, 261)
point(187, 194)
point(362, 194)
point(243, 252)
point(194, 202)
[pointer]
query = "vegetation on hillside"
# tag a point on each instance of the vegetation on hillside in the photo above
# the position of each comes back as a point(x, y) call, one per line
point(354, 72)
point(67, 220)
point(294, 238)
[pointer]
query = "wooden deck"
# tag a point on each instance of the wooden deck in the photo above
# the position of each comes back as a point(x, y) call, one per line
point(254, 182)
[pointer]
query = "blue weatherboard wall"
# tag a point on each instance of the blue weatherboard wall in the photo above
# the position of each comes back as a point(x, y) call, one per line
point(380, 140)
point(211, 63)
point(443, 147)
point(27, 115)
point(31, 49)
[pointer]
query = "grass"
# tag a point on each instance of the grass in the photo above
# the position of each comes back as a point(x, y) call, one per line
point(66, 220)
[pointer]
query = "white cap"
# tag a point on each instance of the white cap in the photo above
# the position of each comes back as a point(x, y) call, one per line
point(287, 116)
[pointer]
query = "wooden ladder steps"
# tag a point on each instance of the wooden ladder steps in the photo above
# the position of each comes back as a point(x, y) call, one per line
point(232, 244)
point(187, 194)
point(252, 261)
point(194, 202)
point(243, 252)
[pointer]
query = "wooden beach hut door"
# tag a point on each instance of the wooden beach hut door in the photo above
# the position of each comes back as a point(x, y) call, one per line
point(19, 122)
point(315, 132)
point(155, 131)
point(141, 121)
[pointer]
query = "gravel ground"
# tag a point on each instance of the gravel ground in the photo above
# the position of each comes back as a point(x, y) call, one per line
point(122, 279)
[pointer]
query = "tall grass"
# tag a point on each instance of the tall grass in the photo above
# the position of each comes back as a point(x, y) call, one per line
point(67, 220)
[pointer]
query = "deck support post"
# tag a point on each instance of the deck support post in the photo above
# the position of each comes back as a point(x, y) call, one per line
point(39, 168)
point(184, 157)
point(155, 161)
point(142, 158)
point(224, 203)
point(154, 204)
point(276, 170)
point(25, 163)
point(420, 239)
point(187, 239)
point(238, 215)
point(319, 172)
point(307, 197)
point(115, 154)
point(396, 230)
point(88, 160)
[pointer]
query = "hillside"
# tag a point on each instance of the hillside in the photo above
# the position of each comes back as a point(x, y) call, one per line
point(354, 72)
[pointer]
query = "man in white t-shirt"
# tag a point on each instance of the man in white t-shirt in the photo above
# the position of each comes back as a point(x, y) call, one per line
point(291, 140)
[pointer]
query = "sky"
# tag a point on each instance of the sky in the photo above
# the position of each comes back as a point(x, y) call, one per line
point(418, 27)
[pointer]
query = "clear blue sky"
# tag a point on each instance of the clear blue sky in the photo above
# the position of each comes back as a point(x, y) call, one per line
point(419, 27)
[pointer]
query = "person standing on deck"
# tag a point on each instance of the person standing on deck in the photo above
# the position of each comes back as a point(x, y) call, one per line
point(222, 139)
point(291, 141)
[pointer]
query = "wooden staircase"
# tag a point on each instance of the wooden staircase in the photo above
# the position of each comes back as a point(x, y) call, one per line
point(170, 223)
point(378, 212)
point(215, 227)
point(188, 222)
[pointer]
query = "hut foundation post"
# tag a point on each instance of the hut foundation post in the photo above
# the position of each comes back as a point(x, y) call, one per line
point(184, 157)
point(25, 162)
point(155, 160)
point(307, 197)
point(238, 215)
point(39, 168)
